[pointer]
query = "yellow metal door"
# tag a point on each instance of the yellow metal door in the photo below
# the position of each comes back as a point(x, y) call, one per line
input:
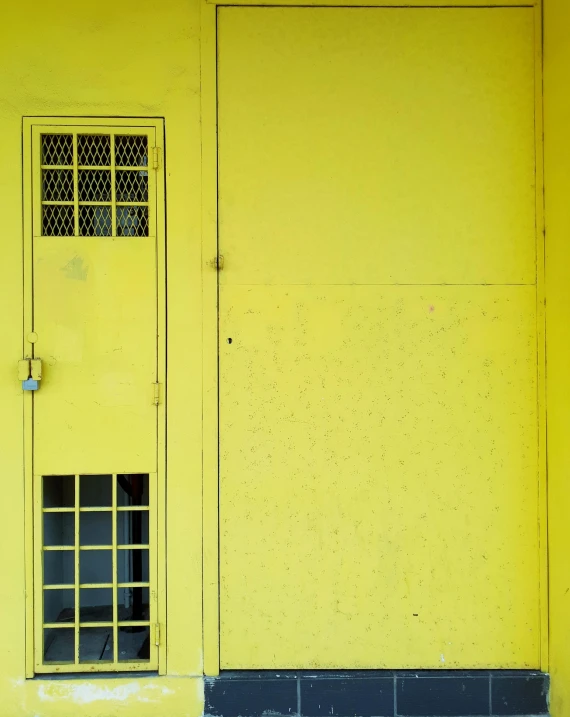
point(378, 340)
point(96, 314)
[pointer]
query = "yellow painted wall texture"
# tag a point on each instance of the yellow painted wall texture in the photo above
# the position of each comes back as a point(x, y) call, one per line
point(116, 59)
point(557, 206)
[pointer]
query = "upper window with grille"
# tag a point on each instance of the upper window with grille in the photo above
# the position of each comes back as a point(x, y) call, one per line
point(95, 184)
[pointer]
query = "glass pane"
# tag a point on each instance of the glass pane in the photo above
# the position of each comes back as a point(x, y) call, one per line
point(59, 645)
point(132, 489)
point(59, 491)
point(132, 566)
point(95, 566)
point(59, 567)
point(95, 644)
point(59, 529)
point(95, 528)
point(95, 491)
point(132, 527)
point(59, 605)
point(134, 644)
point(96, 605)
point(133, 604)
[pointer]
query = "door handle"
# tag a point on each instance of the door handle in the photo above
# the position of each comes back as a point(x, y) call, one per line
point(30, 373)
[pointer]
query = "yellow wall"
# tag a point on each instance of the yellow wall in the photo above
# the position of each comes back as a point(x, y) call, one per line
point(557, 195)
point(141, 58)
point(129, 58)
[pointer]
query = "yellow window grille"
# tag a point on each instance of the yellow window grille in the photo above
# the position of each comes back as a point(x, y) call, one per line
point(94, 185)
point(97, 566)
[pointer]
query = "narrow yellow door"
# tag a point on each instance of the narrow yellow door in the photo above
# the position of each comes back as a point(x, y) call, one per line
point(97, 294)
point(378, 347)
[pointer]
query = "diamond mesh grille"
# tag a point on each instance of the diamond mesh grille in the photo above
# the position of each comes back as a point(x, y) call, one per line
point(57, 149)
point(94, 150)
point(95, 221)
point(131, 151)
point(132, 186)
point(57, 220)
point(132, 221)
point(94, 185)
point(94, 201)
point(57, 185)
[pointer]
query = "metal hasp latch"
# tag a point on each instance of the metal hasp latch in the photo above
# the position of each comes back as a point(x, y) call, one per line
point(30, 373)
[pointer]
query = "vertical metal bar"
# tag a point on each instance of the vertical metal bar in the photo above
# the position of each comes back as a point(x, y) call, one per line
point(541, 341)
point(155, 588)
point(39, 616)
point(157, 514)
point(113, 188)
point(136, 533)
point(76, 576)
point(33, 516)
point(211, 577)
point(115, 578)
point(75, 186)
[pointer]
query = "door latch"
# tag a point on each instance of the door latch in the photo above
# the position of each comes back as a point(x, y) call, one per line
point(30, 373)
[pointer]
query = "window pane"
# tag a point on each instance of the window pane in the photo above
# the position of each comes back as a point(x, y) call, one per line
point(95, 644)
point(59, 645)
point(59, 605)
point(59, 491)
point(134, 644)
point(95, 491)
point(59, 529)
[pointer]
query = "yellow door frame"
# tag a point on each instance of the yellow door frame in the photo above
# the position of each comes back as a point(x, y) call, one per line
point(210, 476)
point(30, 499)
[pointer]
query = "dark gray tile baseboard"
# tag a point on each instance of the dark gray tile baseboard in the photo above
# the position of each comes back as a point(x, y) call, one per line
point(377, 693)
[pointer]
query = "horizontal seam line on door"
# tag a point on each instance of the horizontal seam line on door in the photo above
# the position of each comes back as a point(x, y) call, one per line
point(316, 284)
point(446, 6)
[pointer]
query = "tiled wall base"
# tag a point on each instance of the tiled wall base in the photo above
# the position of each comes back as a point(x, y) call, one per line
point(377, 693)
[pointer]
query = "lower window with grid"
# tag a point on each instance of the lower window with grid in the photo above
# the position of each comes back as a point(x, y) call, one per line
point(95, 573)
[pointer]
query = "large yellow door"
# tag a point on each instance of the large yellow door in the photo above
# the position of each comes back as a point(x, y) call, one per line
point(96, 283)
point(378, 341)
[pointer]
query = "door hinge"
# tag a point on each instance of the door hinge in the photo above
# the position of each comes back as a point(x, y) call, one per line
point(157, 634)
point(155, 157)
point(156, 393)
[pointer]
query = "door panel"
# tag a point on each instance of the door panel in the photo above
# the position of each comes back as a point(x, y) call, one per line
point(376, 145)
point(378, 495)
point(95, 302)
point(378, 399)
point(96, 297)
point(95, 316)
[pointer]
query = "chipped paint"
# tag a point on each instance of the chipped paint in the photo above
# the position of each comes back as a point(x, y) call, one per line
point(141, 696)
point(85, 692)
